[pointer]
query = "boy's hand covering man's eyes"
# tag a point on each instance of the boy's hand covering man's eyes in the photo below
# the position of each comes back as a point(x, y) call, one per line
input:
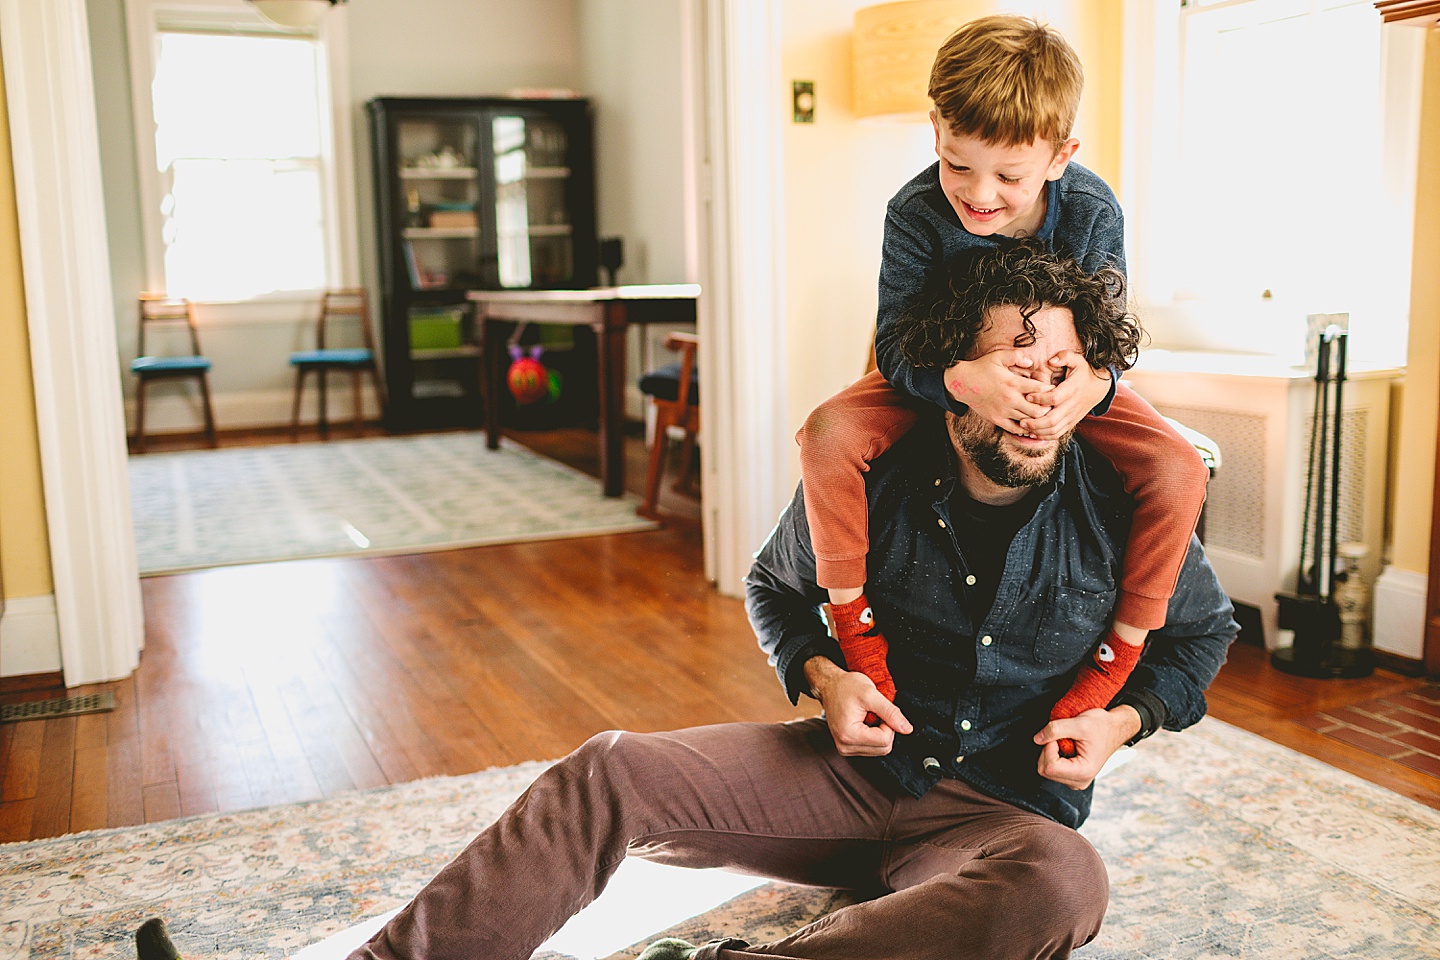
point(991, 386)
point(1079, 389)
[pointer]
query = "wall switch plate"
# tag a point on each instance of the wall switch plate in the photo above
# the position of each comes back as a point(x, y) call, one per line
point(803, 99)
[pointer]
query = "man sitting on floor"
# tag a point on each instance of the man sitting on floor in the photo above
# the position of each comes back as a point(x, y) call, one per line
point(993, 562)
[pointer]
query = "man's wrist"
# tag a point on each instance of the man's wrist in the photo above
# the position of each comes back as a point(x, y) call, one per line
point(818, 670)
point(1128, 723)
point(1149, 708)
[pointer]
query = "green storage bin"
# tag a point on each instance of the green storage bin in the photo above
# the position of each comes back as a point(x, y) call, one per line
point(435, 330)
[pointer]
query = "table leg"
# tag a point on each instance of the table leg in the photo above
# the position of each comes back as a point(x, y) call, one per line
point(610, 339)
point(494, 347)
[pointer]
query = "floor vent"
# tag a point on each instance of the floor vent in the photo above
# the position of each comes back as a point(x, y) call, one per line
point(61, 707)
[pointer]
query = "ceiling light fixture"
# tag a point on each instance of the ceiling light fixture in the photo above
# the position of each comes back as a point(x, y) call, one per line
point(294, 13)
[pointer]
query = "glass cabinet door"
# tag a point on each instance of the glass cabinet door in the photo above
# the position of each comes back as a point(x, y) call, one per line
point(534, 235)
point(440, 183)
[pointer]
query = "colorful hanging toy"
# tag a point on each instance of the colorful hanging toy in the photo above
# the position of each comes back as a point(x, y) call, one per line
point(529, 380)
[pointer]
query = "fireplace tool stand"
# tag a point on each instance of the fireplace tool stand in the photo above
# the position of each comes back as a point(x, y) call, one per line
point(1312, 612)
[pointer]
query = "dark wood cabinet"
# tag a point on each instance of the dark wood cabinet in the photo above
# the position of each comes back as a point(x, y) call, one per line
point(471, 194)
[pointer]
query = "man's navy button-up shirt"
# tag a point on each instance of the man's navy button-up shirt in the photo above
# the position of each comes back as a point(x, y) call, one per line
point(977, 680)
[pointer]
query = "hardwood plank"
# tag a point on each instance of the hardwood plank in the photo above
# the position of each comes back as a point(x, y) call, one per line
point(7, 736)
point(162, 801)
point(124, 792)
point(90, 795)
point(15, 820)
point(354, 652)
point(301, 777)
point(56, 783)
point(22, 771)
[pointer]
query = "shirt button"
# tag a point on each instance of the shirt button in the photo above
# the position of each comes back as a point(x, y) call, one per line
point(986, 640)
point(942, 524)
point(931, 765)
point(964, 724)
point(970, 581)
point(937, 481)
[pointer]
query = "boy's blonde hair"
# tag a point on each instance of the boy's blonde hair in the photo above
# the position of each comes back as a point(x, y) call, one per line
point(1008, 80)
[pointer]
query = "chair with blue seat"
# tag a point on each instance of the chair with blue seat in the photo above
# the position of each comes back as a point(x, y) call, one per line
point(159, 310)
point(674, 392)
point(335, 305)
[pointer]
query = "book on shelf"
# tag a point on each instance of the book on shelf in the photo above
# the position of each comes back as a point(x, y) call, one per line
point(412, 265)
point(421, 278)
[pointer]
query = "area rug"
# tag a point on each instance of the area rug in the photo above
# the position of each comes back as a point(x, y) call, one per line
point(351, 497)
point(1219, 844)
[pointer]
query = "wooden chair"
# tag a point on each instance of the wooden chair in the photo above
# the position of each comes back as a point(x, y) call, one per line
point(674, 391)
point(157, 310)
point(336, 304)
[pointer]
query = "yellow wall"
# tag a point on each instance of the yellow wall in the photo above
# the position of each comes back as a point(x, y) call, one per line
point(1097, 32)
point(1415, 484)
point(24, 546)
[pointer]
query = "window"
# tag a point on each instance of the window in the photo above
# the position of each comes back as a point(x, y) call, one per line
point(237, 169)
point(1271, 196)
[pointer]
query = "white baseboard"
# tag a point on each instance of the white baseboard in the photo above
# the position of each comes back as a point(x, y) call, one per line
point(177, 412)
point(1398, 625)
point(29, 636)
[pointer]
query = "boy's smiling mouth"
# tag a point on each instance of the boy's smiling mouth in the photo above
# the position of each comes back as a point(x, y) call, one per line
point(981, 213)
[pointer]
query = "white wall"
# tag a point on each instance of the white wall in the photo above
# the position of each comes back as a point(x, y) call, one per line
point(632, 66)
point(448, 48)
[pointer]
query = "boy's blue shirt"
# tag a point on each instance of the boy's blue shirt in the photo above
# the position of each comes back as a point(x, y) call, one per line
point(1083, 220)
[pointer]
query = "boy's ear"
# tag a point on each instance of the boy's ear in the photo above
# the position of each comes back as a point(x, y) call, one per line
point(935, 123)
point(1062, 159)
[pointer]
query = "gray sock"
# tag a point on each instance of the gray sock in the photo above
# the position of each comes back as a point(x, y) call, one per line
point(152, 941)
point(669, 948)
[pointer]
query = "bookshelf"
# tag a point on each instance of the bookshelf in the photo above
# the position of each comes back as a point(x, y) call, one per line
point(471, 194)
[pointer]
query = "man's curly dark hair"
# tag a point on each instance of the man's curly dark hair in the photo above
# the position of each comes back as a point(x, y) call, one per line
point(943, 325)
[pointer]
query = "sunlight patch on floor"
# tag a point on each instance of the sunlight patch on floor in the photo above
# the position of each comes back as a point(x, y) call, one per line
point(642, 899)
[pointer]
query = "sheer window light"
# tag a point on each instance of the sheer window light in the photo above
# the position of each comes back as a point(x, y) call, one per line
point(1274, 206)
point(239, 125)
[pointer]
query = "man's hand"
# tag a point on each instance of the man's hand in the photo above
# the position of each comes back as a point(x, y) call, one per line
point(1097, 735)
point(847, 697)
point(1077, 389)
point(994, 385)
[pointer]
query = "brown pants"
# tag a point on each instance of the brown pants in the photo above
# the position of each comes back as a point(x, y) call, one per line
point(962, 875)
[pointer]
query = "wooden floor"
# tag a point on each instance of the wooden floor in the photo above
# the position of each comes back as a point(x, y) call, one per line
point(281, 682)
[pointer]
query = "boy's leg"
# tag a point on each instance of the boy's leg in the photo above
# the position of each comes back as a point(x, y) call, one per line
point(1165, 475)
point(974, 878)
point(837, 443)
point(1167, 479)
point(772, 799)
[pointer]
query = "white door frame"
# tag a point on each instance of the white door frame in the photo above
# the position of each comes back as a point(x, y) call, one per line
point(71, 315)
point(71, 318)
point(742, 330)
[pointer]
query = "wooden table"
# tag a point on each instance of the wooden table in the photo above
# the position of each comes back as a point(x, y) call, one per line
point(605, 310)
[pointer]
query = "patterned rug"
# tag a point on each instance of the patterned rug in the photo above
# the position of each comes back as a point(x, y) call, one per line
point(350, 497)
point(1219, 844)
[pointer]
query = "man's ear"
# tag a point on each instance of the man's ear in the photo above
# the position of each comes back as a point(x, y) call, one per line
point(1061, 159)
point(935, 124)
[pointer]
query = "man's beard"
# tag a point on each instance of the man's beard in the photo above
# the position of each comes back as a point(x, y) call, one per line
point(1005, 464)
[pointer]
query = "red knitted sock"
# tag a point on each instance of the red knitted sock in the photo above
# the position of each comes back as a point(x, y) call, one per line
point(863, 645)
point(1099, 680)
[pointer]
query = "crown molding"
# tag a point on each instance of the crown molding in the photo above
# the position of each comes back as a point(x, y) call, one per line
point(1416, 12)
